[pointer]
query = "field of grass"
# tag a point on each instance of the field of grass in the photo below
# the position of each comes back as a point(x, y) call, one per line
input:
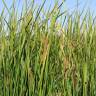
point(42, 56)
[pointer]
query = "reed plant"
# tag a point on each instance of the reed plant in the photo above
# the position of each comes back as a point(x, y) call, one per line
point(41, 56)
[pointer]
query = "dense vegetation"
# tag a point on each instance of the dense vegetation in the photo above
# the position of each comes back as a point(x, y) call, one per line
point(42, 56)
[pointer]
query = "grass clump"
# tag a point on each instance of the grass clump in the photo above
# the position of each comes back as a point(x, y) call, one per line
point(44, 57)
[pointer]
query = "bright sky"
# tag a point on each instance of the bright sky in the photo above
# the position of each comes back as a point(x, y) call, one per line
point(70, 4)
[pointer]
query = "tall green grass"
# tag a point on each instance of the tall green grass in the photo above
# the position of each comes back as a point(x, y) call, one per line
point(45, 57)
